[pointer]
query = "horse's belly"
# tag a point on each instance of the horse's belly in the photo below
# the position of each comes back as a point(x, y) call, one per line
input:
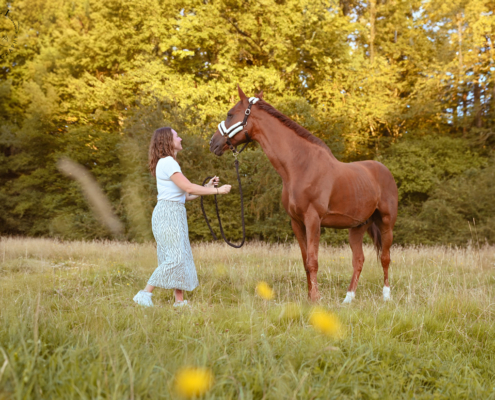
point(338, 221)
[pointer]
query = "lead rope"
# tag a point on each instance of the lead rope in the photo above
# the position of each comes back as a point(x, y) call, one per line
point(226, 132)
point(237, 246)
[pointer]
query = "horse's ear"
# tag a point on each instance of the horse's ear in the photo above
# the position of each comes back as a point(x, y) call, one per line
point(241, 93)
point(260, 95)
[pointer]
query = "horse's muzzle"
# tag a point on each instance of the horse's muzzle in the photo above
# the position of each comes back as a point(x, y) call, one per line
point(218, 150)
point(216, 145)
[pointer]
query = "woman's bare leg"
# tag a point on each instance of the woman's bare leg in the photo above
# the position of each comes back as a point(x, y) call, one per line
point(149, 288)
point(179, 295)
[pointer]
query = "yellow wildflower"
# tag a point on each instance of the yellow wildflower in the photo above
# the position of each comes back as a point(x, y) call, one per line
point(264, 291)
point(325, 322)
point(192, 381)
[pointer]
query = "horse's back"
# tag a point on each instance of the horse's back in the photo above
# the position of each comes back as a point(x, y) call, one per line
point(381, 174)
point(369, 176)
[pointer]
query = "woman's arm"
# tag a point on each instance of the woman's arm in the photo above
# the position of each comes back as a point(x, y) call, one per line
point(212, 183)
point(192, 189)
point(190, 197)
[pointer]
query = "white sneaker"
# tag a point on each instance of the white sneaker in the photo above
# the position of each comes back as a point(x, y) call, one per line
point(143, 298)
point(180, 303)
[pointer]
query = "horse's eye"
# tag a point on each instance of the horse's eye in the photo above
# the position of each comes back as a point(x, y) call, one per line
point(229, 115)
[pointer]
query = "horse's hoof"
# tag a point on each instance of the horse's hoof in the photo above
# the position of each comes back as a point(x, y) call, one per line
point(386, 293)
point(349, 297)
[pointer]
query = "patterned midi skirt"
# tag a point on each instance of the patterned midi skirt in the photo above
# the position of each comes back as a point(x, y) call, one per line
point(176, 269)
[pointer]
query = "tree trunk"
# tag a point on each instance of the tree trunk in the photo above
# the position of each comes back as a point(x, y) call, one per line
point(478, 121)
point(493, 100)
point(459, 35)
point(372, 29)
point(455, 111)
point(346, 7)
point(461, 74)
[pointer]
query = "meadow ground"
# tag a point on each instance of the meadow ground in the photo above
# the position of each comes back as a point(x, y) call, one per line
point(70, 330)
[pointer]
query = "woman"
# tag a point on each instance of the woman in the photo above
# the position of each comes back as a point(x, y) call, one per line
point(176, 269)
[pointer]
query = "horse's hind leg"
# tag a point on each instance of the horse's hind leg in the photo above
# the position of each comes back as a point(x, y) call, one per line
point(356, 242)
point(387, 238)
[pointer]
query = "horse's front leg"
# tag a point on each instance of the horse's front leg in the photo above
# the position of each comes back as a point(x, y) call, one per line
point(312, 222)
point(300, 232)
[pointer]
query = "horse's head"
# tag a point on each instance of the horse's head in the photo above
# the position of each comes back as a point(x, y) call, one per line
point(235, 116)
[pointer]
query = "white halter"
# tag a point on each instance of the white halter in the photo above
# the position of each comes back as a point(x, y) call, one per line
point(231, 131)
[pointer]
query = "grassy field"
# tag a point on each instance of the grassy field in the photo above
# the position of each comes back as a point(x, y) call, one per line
point(70, 330)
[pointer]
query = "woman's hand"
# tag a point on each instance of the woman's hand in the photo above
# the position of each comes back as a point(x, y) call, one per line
point(224, 189)
point(196, 190)
point(213, 182)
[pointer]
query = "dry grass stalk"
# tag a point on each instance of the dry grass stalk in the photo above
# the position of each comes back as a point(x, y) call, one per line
point(94, 195)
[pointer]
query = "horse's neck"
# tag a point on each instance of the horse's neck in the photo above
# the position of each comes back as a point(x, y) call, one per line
point(287, 151)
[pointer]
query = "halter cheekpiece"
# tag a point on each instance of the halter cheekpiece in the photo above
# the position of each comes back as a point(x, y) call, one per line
point(231, 131)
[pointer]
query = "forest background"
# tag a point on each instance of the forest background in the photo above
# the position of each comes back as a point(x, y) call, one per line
point(409, 83)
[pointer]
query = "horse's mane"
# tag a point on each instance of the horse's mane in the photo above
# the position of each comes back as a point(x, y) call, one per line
point(298, 129)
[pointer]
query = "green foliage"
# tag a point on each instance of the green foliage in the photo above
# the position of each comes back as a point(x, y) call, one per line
point(398, 81)
point(459, 210)
point(418, 165)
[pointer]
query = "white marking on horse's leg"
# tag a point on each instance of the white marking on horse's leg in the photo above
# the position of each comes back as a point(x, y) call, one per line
point(386, 293)
point(348, 297)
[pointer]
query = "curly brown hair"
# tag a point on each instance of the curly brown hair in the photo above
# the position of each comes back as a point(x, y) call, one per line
point(161, 146)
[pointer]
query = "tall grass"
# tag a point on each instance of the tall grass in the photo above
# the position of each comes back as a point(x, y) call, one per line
point(69, 328)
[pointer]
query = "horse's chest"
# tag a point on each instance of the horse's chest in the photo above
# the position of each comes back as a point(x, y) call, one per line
point(297, 202)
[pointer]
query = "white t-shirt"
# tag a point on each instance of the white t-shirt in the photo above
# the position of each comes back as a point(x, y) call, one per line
point(168, 190)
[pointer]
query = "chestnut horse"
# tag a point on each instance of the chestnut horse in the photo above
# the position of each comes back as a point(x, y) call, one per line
point(318, 189)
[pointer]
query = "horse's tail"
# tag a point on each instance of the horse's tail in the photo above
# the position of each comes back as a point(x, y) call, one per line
point(376, 236)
